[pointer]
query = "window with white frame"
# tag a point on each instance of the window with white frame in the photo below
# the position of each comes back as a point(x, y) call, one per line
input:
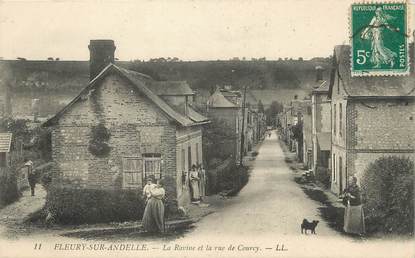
point(132, 172)
point(152, 165)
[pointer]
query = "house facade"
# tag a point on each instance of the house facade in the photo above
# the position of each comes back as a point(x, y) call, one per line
point(125, 127)
point(307, 134)
point(371, 117)
point(229, 116)
point(321, 128)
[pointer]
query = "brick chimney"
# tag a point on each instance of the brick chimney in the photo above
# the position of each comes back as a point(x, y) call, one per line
point(319, 73)
point(101, 53)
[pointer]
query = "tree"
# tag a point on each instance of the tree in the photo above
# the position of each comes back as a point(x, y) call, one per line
point(261, 107)
point(215, 136)
point(272, 112)
point(388, 190)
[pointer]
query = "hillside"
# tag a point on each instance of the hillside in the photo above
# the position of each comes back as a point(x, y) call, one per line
point(73, 75)
point(55, 83)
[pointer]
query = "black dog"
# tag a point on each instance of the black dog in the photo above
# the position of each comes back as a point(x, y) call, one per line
point(309, 226)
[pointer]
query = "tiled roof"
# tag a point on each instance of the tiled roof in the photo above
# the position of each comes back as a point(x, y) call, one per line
point(140, 81)
point(5, 142)
point(217, 100)
point(195, 116)
point(369, 86)
point(170, 88)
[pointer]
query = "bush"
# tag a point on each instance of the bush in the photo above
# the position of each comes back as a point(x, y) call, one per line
point(322, 175)
point(77, 206)
point(8, 187)
point(388, 188)
point(234, 179)
point(44, 174)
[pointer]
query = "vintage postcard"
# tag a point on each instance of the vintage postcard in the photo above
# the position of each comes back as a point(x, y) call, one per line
point(191, 128)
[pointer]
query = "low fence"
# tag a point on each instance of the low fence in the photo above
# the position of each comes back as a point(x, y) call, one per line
point(216, 175)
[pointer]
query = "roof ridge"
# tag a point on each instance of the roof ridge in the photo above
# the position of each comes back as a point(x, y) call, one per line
point(166, 108)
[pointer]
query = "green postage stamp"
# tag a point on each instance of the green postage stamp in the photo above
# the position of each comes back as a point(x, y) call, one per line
point(379, 39)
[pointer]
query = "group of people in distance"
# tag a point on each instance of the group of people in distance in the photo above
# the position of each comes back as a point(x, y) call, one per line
point(154, 195)
point(197, 180)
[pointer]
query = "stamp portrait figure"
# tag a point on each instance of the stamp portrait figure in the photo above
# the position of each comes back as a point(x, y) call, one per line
point(374, 32)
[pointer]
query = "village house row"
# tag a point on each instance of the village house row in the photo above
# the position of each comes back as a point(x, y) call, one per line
point(142, 128)
point(349, 122)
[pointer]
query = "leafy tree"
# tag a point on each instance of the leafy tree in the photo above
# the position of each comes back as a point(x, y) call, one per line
point(261, 107)
point(273, 111)
point(388, 190)
point(297, 131)
point(215, 136)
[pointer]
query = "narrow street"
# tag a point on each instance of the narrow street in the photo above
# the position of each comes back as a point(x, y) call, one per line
point(263, 220)
point(267, 213)
point(271, 202)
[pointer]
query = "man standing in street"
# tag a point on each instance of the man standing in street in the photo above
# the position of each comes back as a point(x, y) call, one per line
point(30, 175)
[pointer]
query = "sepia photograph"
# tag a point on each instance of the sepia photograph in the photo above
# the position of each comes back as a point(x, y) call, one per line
point(194, 128)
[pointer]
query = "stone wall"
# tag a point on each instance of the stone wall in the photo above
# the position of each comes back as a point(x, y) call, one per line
point(383, 125)
point(379, 128)
point(136, 127)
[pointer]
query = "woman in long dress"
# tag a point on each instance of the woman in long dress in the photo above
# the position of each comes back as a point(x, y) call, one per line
point(153, 218)
point(194, 183)
point(354, 221)
point(374, 32)
point(202, 182)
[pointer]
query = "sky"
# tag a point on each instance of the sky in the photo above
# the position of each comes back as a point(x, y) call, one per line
point(189, 30)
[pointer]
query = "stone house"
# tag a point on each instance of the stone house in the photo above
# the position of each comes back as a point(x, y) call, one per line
point(256, 123)
point(5, 144)
point(371, 117)
point(237, 98)
point(286, 120)
point(124, 127)
point(221, 110)
point(321, 127)
point(300, 113)
point(306, 117)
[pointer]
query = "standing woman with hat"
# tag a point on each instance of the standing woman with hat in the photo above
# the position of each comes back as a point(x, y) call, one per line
point(153, 218)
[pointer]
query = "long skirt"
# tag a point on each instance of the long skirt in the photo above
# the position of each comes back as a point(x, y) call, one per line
point(195, 189)
point(354, 220)
point(202, 191)
point(153, 218)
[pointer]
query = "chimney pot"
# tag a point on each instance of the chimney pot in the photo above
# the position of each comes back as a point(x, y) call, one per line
point(319, 73)
point(101, 54)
